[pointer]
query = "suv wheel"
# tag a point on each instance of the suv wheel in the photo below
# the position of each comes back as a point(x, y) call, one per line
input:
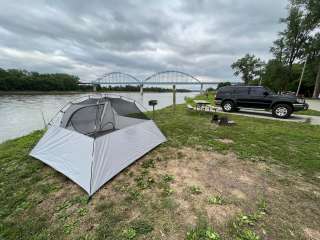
point(227, 106)
point(282, 111)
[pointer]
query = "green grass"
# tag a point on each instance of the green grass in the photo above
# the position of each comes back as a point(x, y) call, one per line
point(216, 200)
point(202, 231)
point(242, 226)
point(309, 112)
point(288, 143)
point(20, 177)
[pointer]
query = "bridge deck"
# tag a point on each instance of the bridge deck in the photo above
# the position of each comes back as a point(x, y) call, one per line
point(152, 83)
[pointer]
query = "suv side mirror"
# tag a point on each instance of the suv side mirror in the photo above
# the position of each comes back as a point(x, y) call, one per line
point(265, 93)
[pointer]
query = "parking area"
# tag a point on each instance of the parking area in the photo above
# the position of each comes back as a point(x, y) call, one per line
point(314, 104)
point(314, 120)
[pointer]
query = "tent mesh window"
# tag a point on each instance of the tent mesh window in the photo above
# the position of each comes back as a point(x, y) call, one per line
point(98, 116)
point(127, 109)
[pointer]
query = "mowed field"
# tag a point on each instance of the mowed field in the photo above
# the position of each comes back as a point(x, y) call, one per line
point(258, 179)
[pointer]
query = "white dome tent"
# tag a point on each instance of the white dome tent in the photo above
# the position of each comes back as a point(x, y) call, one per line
point(92, 139)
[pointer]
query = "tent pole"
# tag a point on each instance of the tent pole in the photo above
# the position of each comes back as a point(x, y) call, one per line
point(91, 168)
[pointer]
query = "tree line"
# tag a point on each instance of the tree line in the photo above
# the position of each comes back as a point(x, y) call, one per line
point(22, 80)
point(297, 48)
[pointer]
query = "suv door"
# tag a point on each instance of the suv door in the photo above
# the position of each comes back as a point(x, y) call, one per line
point(241, 96)
point(259, 98)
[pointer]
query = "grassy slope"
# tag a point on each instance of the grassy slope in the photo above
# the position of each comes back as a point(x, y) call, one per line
point(26, 183)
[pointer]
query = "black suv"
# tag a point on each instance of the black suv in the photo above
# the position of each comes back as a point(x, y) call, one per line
point(231, 98)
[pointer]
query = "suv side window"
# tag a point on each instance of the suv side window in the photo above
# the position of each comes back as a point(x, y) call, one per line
point(241, 91)
point(257, 91)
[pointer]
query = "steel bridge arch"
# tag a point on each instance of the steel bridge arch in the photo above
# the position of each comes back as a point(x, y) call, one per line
point(157, 78)
point(117, 78)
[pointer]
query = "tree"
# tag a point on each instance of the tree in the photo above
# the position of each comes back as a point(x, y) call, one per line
point(223, 84)
point(275, 72)
point(311, 9)
point(312, 14)
point(291, 43)
point(249, 67)
point(277, 49)
point(313, 52)
point(20, 80)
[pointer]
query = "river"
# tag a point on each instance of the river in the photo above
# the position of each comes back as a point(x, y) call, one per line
point(22, 114)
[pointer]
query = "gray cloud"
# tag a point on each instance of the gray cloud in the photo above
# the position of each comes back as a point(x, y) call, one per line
point(89, 38)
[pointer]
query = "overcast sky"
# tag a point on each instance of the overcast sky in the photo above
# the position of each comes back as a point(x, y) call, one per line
point(91, 37)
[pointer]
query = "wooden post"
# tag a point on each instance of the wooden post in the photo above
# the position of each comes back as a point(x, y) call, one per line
point(141, 89)
point(152, 112)
point(174, 97)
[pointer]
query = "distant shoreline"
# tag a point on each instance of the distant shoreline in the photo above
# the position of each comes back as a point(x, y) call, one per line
point(41, 92)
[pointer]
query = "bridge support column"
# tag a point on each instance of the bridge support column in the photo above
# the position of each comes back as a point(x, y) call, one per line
point(174, 97)
point(141, 89)
point(201, 88)
point(94, 87)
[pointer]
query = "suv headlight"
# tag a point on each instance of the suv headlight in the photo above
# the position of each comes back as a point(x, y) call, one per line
point(300, 100)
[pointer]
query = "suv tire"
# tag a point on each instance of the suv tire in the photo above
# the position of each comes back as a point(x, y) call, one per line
point(227, 106)
point(281, 110)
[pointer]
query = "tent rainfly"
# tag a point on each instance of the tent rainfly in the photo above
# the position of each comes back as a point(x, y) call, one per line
point(93, 139)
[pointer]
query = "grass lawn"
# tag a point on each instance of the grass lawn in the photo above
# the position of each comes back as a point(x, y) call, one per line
point(309, 112)
point(256, 180)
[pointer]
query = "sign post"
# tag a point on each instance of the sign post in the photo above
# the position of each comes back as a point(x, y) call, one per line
point(153, 103)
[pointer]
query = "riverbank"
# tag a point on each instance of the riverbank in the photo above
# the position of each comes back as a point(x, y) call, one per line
point(259, 177)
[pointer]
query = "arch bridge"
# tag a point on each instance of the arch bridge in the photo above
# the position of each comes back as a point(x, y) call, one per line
point(160, 78)
point(116, 78)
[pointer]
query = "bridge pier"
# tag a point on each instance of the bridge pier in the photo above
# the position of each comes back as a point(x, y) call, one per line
point(141, 89)
point(174, 97)
point(201, 88)
point(94, 87)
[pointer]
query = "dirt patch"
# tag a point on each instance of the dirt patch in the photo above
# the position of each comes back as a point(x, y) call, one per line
point(225, 140)
point(312, 234)
point(239, 194)
point(242, 184)
point(221, 214)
